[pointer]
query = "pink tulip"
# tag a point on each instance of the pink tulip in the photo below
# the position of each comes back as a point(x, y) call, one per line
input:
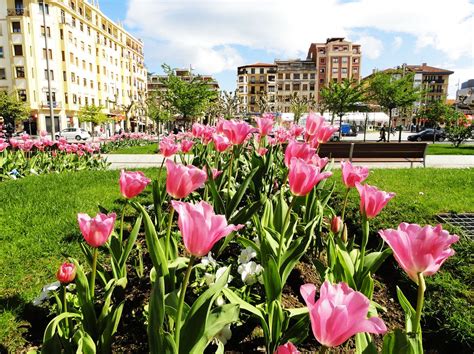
point(168, 148)
point(221, 143)
point(96, 231)
point(353, 174)
point(262, 151)
point(197, 130)
point(3, 146)
point(336, 224)
point(303, 176)
point(372, 200)
point(288, 348)
point(200, 227)
point(339, 313)
point(265, 125)
point(321, 162)
point(66, 273)
point(25, 137)
point(186, 146)
point(324, 133)
point(236, 131)
point(132, 183)
point(300, 150)
point(43, 133)
point(295, 131)
point(183, 180)
point(14, 143)
point(419, 249)
point(215, 172)
point(313, 124)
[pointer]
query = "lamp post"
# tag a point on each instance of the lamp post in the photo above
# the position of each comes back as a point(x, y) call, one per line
point(50, 94)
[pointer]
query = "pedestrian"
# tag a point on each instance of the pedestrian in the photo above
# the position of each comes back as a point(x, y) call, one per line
point(382, 134)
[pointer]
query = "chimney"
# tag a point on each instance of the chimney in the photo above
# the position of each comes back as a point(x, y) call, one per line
point(424, 64)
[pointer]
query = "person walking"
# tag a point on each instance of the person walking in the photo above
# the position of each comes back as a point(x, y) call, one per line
point(382, 134)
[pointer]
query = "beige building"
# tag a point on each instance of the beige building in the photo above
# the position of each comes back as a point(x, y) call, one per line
point(433, 81)
point(154, 81)
point(92, 60)
point(295, 77)
point(256, 87)
point(336, 60)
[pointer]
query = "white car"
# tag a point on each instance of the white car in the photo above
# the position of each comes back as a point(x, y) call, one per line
point(74, 134)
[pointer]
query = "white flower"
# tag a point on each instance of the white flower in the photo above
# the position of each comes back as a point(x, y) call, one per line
point(250, 272)
point(220, 272)
point(209, 279)
point(220, 301)
point(209, 261)
point(247, 254)
point(224, 335)
point(256, 240)
point(421, 193)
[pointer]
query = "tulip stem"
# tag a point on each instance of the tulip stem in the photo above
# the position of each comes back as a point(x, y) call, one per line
point(365, 239)
point(68, 325)
point(230, 176)
point(182, 294)
point(323, 350)
point(346, 197)
point(419, 303)
point(168, 233)
point(283, 231)
point(121, 221)
point(94, 268)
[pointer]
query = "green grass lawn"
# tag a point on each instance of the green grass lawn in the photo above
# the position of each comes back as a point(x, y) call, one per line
point(448, 149)
point(38, 227)
point(138, 150)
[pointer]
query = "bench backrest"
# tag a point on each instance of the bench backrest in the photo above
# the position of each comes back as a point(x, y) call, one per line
point(346, 150)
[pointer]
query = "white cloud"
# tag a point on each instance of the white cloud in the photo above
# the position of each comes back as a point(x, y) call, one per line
point(460, 75)
point(397, 43)
point(371, 46)
point(205, 32)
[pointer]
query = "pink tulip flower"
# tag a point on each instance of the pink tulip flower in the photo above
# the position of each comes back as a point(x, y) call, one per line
point(25, 137)
point(183, 180)
point(372, 200)
point(66, 273)
point(262, 151)
point(265, 125)
point(419, 249)
point(313, 123)
point(14, 143)
point(186, 146)
point(132, 183)
point(336, 224)
point(236, 131)
point(200, 227)
point(295, 131)
point(339, 313)
point(215, 172)
point(96, 231)
point(197, 130)
point(3, 146)
point(324, 133)
point(221, 143)
point(288, 348)
point(321, 162)
point(303, 176)
point(168, 148)
point(300, 150)
point(353, 174)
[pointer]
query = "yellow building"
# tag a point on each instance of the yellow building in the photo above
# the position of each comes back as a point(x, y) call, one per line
point(256, 87)
point(92, 60)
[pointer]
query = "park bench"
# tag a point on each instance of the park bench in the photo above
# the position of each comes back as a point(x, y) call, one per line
point(374, 152)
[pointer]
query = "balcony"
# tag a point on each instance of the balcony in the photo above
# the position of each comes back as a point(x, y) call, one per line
point(56, 104)
point(17, 12)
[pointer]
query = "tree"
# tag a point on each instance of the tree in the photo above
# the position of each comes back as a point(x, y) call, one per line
point(392, 90)
point(92, 114)
point(299, 105)
point(188, 97)
point(158, 109)
point(263, 102)
point(340, 98)
point(229, 103)
point(12, 109)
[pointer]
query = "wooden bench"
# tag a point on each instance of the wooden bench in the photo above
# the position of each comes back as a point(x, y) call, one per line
point(375, 152)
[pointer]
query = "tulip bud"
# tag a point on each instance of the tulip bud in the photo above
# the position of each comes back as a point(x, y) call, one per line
point(344, 233)
point(336, 224)
point(66, 273)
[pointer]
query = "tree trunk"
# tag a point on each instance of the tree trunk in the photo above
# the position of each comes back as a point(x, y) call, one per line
point(389, 124)
point(340, 126)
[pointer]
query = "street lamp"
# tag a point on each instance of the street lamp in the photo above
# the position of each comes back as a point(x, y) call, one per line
point(50, 94)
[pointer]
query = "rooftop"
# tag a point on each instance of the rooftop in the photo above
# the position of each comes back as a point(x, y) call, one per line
point(268, 65)
point(426, 69)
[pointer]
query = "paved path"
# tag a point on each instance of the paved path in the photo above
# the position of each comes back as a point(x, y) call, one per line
point(437, 161)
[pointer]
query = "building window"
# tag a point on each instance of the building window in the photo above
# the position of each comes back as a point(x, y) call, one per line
point(22, 95)
point(84, 81)
point(81, 26)
point(355, 69)
point(262, 71)
point(16, 27)
point(18, 50)
point(50, 52)
point(312, 76)
point(20, 71)
point(287, 87)
point(335, 60)
point(287, 76)
point(66, 98)
point(46, 8)
point(335, 70)
point(296, 76)
point(252, 71)
point(311, 87)
point(1, 52)
point(344, 60)
point(48, 31)
point(46, 74)
point(322, 61)
point(344, 71)
point(3, 75)
point(73, 22)
point(305, 76)
point(296, 87)
point(63, 16)
point(305, 87)
point(355, 60)
point(64, 76)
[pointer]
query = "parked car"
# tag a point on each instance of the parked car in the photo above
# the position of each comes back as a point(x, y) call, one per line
point(427, 135)
point(74, 133)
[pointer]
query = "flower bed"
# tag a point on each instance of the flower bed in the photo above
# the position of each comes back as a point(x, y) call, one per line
point(25, 156)
point(126, 140)
point(260, 205)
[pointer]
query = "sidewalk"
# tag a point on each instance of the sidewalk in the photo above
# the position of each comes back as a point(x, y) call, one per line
point(435, 161)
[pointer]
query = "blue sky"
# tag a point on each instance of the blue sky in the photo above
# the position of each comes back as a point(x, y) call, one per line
point(216, 36)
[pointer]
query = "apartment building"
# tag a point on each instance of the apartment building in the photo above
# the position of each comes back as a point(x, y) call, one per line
point(295, 77)
point(154, 82)
point(433, 81)
point(256, 87)
point(92, 60)
point(336, 60)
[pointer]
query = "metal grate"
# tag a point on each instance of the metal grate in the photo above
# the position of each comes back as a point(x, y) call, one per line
point(463, 221)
